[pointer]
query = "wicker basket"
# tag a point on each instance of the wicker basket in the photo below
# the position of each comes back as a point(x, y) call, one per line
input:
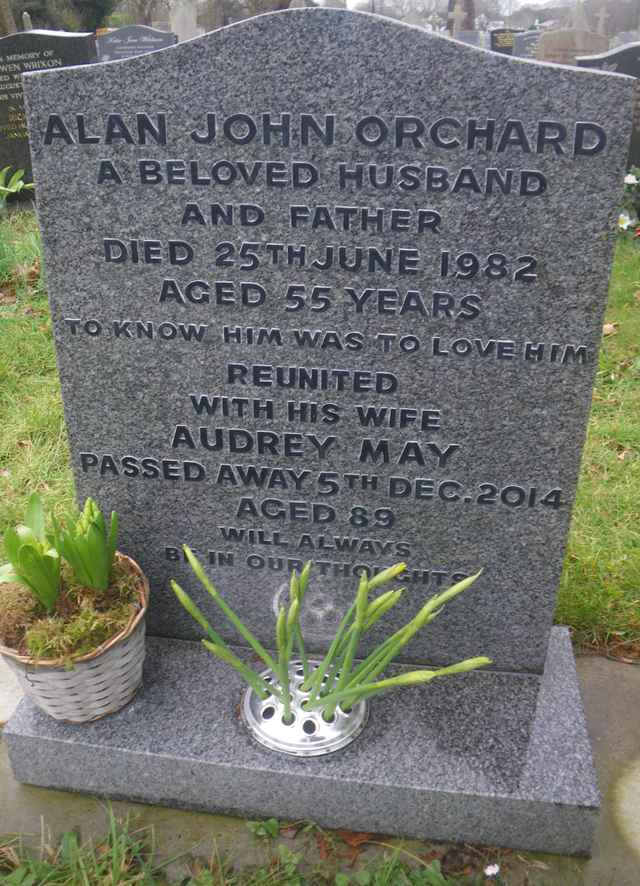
point(101, 682)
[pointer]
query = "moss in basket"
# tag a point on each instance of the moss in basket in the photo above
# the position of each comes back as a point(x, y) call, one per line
point(63, 594)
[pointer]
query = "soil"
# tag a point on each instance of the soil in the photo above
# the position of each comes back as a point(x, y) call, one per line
point(83, 620)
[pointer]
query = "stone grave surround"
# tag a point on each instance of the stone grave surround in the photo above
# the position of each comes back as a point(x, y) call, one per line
point(564, 46)
point(621, 60)
point(342, 312)
point(132, 40)
point(29, 51)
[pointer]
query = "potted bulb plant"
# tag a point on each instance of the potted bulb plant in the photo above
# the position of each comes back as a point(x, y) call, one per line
point(72, 614)
point(307, 707)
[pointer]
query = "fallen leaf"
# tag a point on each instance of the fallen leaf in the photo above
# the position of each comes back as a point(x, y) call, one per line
point(355, 838)
point(623, 454)
point(324, 848)
point(454, 861)
point(5, 473)
point(637, 296)
point(610, 328)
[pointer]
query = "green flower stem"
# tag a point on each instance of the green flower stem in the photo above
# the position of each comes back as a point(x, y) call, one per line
point(380, 606)
point(412, 678)
point(297, 590)
point(297, 634)
point(323, 667)
point(255, 681)
point(282, 641)
point(376, 662)
point(361, 672)
point(255, 644)
point(196, 614)
point(362, 599)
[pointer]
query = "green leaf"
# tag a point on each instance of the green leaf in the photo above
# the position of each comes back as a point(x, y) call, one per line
point(42, 572)
point(96, 548)
point(15, 178)
point(12, 544)
point(34, 517)
point(112, 541)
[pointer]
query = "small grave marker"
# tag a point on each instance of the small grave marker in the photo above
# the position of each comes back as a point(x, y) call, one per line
point(502, 40)
point(132, 40)
point(31, 51)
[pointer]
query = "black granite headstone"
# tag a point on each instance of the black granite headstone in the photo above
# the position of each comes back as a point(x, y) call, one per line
point(621, 60)
point(133, 40)
point(502, 40)
point(31, 51)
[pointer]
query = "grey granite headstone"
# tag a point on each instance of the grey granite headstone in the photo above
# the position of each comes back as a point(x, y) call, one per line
point(525, 44)
point(623, 60)
point(132, 40)
point(327, 311)
point(334, 349)
point(31, 51)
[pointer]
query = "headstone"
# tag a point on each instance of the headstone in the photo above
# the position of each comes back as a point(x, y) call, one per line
point(525, 44)
point(502, 40)
point(133, 40)
point(31, 51)
point(625, 37)
point(564, 46)
point(623, 60)
point(472, 38)
point(184, 20)
point(333, 316)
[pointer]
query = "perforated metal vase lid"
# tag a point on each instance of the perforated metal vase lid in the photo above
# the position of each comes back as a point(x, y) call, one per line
point(309, 734)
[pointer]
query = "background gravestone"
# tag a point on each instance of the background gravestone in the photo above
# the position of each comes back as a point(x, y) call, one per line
point(525, 44)
point(31, 51)
point(132, 40)
point(622, 60)
point(564, 46)
point(319, 309)
point(471, 38)
point(624, 37)
point(501, 40)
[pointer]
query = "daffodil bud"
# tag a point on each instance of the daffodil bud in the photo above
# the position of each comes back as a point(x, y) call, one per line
point(387, 575)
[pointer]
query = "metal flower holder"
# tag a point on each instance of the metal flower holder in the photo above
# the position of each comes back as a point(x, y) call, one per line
point(309, 708)
point(308, 734)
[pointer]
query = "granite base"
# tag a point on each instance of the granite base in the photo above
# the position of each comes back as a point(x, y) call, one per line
point(486, 757)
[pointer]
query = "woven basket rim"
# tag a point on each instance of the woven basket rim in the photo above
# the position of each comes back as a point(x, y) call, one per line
point(132, 624)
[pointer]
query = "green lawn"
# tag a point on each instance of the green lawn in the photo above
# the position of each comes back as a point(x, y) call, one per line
point(600, 588)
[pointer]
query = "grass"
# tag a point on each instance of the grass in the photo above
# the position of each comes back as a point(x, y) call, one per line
point(293, 855)
point(600, 586)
